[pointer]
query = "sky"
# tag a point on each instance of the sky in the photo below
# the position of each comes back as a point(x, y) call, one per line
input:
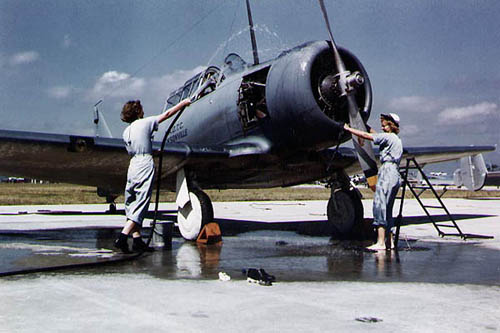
point(435, 63)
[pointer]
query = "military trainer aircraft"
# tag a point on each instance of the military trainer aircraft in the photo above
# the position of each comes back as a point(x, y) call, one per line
point(271, 124)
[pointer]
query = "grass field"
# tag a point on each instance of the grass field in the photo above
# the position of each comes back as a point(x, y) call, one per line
point(56, 194)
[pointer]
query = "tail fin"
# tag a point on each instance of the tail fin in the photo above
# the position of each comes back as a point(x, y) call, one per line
point(472, 173)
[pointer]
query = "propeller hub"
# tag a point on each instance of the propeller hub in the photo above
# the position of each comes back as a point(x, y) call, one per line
point(332, 87)
point(328, 89)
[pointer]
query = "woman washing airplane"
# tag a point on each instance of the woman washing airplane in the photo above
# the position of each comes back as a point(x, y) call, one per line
point(389, 179)
point(138, 138)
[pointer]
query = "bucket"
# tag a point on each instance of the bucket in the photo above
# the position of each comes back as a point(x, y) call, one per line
point(162, 236)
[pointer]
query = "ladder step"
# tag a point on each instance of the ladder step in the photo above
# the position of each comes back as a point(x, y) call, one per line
point(420, 188)
point(478, 236)
point(445, 226)
point(437, 207)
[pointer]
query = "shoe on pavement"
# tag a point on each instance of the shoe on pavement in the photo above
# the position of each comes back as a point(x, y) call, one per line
point(121, 244)
point(266, 276)
point(139, 246)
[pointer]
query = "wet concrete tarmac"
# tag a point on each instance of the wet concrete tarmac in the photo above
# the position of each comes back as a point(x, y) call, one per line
point(288, 241)
point(285, 254)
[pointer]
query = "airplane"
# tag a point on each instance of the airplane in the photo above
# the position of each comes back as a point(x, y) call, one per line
point(268, 124)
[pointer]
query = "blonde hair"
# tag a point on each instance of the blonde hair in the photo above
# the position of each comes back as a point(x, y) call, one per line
point(393, 126)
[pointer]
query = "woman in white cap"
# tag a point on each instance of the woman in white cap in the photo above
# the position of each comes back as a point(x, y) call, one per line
point(389, 179)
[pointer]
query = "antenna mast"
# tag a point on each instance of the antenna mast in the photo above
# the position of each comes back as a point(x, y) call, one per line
point(252, 35)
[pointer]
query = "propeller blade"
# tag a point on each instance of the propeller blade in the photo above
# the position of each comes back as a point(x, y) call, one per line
point(366, 156)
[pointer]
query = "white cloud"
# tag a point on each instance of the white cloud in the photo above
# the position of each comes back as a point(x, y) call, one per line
point(468, 114)
point(409, 130)
point(164, 85)
point(116, 84)
point(24, 58)
point(66, 41)
point(152, 91)
point(60, 92)
point(415, 104)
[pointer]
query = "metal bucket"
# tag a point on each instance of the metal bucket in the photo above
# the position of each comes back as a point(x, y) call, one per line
point(162, 236)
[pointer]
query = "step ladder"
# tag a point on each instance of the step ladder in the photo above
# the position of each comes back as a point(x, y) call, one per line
point(417, 189)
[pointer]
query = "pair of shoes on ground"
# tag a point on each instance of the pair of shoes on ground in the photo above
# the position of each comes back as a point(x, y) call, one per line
point(260, 276)
point(138, 245)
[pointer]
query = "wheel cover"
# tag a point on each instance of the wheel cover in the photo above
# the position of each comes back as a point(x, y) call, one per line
point(189, 218)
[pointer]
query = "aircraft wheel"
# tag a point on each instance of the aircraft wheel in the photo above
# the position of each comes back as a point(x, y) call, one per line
point(194, 215)
point(344, 210)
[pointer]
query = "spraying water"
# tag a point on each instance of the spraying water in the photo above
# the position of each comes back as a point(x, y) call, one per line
point(270, 45)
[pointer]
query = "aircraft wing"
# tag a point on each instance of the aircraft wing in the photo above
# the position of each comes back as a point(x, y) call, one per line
point(423, 155)
point(103, 162)
point(248, 163)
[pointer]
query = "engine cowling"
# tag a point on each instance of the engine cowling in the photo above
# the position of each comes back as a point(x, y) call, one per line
point(302, 98)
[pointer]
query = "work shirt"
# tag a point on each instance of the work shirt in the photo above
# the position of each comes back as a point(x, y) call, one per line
point(138, 136)
point(391, 147)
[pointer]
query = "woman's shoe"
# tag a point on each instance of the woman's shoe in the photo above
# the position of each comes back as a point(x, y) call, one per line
point(139, 246)
point(122, 244)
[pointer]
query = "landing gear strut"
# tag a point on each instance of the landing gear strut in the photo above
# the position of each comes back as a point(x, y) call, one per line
point(110, 199)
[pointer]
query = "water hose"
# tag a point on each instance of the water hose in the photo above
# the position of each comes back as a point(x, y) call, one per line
point(158, 176)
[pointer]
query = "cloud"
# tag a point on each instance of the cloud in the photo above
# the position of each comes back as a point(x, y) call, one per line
point(468, 114)
point(415, 104)
point(24, 58)
point(67, 42)
point(151, 91)
point(164, 85)
point(409, 130)
point(116, 84)
point(59, 92)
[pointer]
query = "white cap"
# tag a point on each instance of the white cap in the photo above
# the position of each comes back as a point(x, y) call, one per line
point(391, 116)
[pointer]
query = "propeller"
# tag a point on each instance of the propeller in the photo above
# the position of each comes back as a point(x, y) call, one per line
point(346, 83)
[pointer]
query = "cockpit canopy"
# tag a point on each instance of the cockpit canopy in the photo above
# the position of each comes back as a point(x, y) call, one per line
point(205, 82)
point(196, 87)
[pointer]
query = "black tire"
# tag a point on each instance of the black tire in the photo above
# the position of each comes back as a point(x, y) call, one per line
point(206, 206)
point(345, 212)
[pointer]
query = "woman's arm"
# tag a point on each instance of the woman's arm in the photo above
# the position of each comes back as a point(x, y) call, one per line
point(173, 110)
point(361, 134)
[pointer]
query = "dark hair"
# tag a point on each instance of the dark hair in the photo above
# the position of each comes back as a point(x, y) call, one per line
point(132, 110)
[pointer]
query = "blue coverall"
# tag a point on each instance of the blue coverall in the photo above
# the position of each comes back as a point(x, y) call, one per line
point(138, 139)
point(389, 179)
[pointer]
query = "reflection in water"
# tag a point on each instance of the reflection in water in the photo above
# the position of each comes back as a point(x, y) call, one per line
point(195, 260)
point(387, 264)
point(349, 260)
